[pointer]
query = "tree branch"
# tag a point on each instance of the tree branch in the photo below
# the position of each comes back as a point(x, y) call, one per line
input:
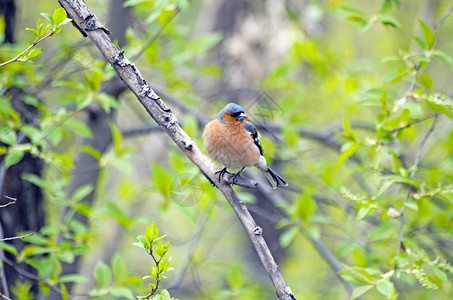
point(11, 200)
point(31, 276)
point(5, 297)
point(85, 20)
point(442, 20)
point(190, 249)
point(15, 237)
point(410, 189)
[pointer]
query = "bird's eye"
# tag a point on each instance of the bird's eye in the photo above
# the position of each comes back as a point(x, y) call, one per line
point(235, 115)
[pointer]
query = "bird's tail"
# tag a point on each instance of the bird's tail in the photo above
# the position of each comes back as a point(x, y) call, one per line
point(272, 177)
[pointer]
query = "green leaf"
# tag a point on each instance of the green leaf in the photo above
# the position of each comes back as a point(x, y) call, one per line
point(439, 103)
point(66, 21)
point(306, 205)
point(161, 249)
point(164, 264)
point(161, 179)
point(117, 138)
point(33, 31)
point(64, 292)
point(354, 11)
point(347, 154)
point(81, 192)
point(35, 52)
point(73, 278)
point(94, 80)
point(8, 135)
point(58, 31)
point(426, 81)
point(78, 127)
point(8, 247)
point(91, 151)
point(48, 17)
point(363, 212)
point(36, 180)
point(107, 101)
point(141, 242)
point(389, 21)
point(35, 134)
point(235, 278)
point(151, 234)
point(287, 236)
point(403, 179)
point(356, 275)
point(182, 4)
point(83, 101)
point(444, 56)
point(386, 6)
point(427, 33)
point(386, 288)
point(397, 165)
point(360, 290)
point(347, 128)
point(102, 274)
point(59, 16)
point(420, 42)
point(13, 157)
point(119, 269)
point(2, 25)
point(133, 2)
point(122, 292)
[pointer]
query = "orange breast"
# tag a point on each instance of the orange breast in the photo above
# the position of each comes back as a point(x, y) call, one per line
point(230, 145)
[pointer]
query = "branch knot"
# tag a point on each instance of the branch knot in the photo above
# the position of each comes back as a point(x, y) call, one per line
point(94, 24)
point(258, 230)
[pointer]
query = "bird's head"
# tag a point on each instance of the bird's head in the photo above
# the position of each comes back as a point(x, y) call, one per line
point(231, 113)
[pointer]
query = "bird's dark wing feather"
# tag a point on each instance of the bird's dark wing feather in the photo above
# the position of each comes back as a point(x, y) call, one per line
point(251, 129)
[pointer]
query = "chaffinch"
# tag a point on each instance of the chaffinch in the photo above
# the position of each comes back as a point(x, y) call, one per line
point(235, 143)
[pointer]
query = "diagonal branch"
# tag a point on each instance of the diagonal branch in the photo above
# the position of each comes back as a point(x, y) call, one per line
point(418, 156)
point(89, 25)
point(30, 275)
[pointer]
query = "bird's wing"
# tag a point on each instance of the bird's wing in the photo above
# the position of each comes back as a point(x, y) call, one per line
point(251, 129)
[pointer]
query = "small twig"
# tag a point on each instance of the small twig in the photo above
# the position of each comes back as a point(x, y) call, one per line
point(156, 287)
point(25, 51)
point(143, 129)
point(12, 201)
point(5, 297)
point(409, 190)
point(417, 66)
point(432, 115)
point(445, 16)
point(3, 279)
point(330, 259)
point(16, 237)
point(156, 35)
point(31, 276)
point(190, 249)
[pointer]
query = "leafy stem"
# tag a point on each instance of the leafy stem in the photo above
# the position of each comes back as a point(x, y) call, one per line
point(158, 251)
point(28, 49)
point(56, 20)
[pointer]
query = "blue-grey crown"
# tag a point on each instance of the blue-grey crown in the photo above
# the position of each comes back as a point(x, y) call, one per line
point(232, 108)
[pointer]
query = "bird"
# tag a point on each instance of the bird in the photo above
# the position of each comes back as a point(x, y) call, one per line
point(234, 142)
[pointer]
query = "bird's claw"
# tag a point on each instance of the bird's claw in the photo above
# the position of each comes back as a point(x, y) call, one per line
point(221, 172)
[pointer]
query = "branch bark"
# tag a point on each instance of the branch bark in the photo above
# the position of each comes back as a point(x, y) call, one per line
point(90, 26)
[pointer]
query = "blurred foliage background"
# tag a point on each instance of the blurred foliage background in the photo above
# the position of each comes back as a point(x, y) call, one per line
point(352, 99)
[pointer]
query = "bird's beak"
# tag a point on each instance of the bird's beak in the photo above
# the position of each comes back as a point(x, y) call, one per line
point(242, 116)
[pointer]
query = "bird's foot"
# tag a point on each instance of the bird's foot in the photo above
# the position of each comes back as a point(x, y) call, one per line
point(236, 176)
point(221, 172)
